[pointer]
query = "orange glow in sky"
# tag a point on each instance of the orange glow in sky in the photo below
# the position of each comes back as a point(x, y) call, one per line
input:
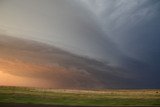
point(12, 80)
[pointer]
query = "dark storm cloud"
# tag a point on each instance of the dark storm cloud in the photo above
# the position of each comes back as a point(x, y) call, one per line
point(61, 69)
point(135, 26)
point(121, 33)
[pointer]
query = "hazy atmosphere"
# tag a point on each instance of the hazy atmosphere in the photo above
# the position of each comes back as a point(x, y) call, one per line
point(80, 43)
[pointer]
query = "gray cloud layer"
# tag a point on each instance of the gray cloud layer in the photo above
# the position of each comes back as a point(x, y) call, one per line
point(65, 24)
point(60, 69)
point(133, 24)
point(120, 32)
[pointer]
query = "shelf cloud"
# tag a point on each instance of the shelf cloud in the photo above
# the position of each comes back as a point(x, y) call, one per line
point(118, 33)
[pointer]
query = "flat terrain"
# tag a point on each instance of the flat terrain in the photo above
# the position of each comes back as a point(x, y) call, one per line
point(38, 96)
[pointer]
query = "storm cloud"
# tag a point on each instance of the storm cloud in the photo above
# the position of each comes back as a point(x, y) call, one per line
point(62, 23)
point(122, 34)
point(133, 25)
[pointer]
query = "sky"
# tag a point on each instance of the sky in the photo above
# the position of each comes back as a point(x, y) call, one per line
point(131, 24)
point(121, 33)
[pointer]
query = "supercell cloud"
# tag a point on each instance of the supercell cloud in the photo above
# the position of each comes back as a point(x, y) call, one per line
point(121, 36)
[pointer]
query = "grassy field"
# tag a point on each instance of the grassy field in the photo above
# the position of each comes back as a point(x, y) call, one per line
point(79, 97)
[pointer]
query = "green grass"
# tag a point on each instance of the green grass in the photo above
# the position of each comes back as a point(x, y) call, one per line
point(79, 97)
